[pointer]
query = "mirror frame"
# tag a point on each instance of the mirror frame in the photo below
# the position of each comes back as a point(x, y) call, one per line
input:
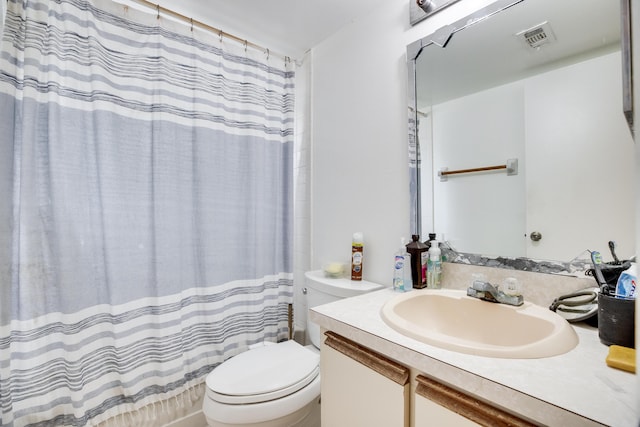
point(441, 38)
point(627, 77)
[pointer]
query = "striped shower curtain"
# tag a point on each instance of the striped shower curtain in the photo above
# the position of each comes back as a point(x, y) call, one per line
point(145, 214)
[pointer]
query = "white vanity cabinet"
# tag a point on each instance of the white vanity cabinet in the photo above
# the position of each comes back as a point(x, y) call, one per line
point(361, 388)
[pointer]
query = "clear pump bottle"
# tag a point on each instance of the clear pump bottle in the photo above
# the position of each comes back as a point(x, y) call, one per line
point(434, 267)
point(402, 269)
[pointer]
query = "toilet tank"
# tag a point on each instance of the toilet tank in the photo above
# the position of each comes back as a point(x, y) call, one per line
point(322, 290)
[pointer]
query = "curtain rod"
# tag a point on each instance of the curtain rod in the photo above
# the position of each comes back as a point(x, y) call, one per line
point(160, 9)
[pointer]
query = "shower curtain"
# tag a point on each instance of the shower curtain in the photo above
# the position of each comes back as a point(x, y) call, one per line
point(146, 214)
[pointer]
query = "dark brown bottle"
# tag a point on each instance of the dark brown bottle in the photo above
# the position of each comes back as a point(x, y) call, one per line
point(419, 257)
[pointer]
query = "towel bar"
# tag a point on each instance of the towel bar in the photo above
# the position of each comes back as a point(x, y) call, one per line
point(511, 167)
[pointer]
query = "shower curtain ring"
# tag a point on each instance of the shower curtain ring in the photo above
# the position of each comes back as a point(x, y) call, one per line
point(191, 24)
point(220, 34)
point(245, 46)
point(158, 11)
point(268, 54)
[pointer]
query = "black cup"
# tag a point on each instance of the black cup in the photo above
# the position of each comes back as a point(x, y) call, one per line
point(616, 320)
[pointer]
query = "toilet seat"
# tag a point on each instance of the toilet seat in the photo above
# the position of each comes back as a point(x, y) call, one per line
point(263, 374)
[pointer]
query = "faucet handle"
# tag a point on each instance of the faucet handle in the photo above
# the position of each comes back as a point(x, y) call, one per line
point(512, 287)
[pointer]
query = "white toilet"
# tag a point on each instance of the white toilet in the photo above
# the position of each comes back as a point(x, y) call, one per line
point(277, 385)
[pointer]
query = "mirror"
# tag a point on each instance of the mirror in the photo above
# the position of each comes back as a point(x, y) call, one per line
point(535, 81)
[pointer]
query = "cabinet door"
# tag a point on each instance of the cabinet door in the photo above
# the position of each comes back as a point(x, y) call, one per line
point(428, 413)
point(437, 405)
point(361, 388)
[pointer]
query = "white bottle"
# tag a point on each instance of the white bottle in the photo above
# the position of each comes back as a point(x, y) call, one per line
point(402, 269)
point(434, 267)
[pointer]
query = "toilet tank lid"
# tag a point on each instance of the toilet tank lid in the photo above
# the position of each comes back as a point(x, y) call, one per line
point(263, 370)
point(340, 287)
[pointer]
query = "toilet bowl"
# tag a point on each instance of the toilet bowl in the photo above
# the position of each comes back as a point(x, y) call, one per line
point(277, 385)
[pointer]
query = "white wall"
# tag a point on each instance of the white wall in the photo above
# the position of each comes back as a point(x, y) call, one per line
point(578, 168)
point(580, 161)
point(481, 213)
point(359, 135)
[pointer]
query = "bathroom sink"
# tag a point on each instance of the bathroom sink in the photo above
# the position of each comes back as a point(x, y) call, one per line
point(450, 319)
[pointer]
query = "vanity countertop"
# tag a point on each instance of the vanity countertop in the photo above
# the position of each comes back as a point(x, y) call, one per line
point(573, 389)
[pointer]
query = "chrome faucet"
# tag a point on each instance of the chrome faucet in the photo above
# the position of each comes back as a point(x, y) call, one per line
point(487, 292)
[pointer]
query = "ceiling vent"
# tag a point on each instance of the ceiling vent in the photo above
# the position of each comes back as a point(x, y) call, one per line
point(538, 35)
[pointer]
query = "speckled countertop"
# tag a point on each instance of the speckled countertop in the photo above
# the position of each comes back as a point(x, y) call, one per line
point(573, 389)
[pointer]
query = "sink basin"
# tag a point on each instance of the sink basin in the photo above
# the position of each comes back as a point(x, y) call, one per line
point(450, 319)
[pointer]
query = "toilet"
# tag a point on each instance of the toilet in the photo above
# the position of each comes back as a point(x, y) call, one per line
point(277, 385)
